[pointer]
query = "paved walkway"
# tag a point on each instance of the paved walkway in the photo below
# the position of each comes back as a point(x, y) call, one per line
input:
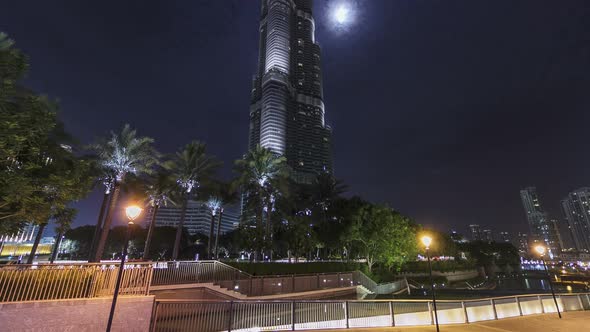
point(572, 322)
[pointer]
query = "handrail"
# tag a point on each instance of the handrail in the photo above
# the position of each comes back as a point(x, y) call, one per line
point(366, 301)
point(244, 315)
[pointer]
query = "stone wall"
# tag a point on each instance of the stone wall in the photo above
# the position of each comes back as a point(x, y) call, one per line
point(133, 313)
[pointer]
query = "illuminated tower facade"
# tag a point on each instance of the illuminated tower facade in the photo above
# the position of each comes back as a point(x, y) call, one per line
point(287, 107)
point(576, 207)
point(541, 228)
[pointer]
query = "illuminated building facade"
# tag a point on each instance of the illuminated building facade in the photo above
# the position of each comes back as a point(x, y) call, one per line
point(287, 108)
point(541, 228)
point(576, 208)
point(197, 219)
point(475, 232)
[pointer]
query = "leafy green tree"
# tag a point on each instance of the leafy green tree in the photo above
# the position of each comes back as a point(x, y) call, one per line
point(296, 236)
point(191, 167)
point(381, 235)
point(123, 154)
point(38, 173)
point(82, 238)
point(63, 219)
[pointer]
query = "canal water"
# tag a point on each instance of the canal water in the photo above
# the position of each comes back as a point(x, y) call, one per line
point(504, 287)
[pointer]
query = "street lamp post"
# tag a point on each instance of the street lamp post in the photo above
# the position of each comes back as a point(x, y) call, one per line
point(132, 213)
point(427, 240)
point(541, 250)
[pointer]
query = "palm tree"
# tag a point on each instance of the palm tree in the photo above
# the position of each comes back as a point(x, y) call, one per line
point(107, 181)
point(258, 172)
point(63, 218)
point(214, 205)
point(159, 193)
point(124, 153)
point(227, 195)
point(191, 167)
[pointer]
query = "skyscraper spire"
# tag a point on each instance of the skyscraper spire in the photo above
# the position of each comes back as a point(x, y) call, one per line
point(287, 108)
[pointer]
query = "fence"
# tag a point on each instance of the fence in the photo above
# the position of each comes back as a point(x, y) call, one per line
point(84, 280)
point(175, 315)
point(185, 272)
point(71, 281)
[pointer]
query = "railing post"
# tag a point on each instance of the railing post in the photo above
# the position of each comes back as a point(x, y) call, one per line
point(250, 292)
point(518, 304)
point(541, 302)
point(493, 303)
point(391, 313)
point(562, 304)
point(229, 321)
point(430, 311)
point(215, 272)
point(293, 316)
point(465, 311)
point(346, 313)
point(580, 302)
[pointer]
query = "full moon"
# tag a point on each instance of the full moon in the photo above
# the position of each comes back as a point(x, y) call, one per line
point(341, 14)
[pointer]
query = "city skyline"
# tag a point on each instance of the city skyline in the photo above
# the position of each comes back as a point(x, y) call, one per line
point(376, 72)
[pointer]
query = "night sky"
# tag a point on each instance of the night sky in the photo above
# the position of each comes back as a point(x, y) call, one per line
point(442, 109)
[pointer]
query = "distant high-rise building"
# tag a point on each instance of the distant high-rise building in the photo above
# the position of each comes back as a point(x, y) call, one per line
point(541, 228)
point(504, 237)
point(287, 103)
point(576, 208)
point(523, 243)
point(475, 232)
point(197, 218)
point(487, 235)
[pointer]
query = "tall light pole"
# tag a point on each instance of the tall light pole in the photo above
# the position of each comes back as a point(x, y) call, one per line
point(427, 240)
point(541, 250)
point(132, 212)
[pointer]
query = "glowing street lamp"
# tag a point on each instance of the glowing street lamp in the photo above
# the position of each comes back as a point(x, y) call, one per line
point(541, 250)
point(132, 212)
point(427, 241)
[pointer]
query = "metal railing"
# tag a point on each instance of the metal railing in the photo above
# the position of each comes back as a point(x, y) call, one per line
point(209, 316)
point(83, 280)
point(187, 272)
point(71, 281)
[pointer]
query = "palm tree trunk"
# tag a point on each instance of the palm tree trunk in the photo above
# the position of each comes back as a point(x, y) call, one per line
point(107, 223)
point(269, 231)
point(179, 229)
point(259, 230)
point(150, 233)
point(98, 229)
point(36, 243)
point(56, 248)
point(217, 235)
point(210, 240)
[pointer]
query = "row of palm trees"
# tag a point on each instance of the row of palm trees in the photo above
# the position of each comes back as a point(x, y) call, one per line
point(129, 161)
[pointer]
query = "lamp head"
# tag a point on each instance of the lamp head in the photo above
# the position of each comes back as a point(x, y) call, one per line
point(132, 212)
point(426, 241)
point(540, 249)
